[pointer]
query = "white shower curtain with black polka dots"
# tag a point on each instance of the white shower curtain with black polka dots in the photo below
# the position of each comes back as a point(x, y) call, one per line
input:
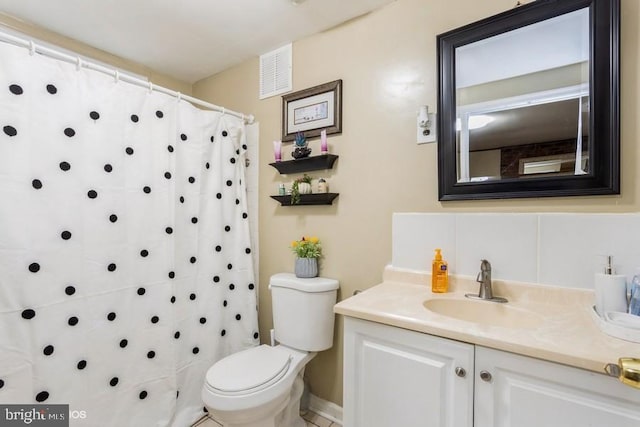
point(125, 259)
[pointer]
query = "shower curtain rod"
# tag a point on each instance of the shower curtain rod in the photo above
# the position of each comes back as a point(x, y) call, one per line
point(35, 48)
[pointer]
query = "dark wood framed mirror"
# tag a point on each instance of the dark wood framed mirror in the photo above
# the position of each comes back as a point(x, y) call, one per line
point(528, 103)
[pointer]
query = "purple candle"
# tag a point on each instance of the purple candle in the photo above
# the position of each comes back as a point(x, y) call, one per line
point(277, 150)
point(323, 141)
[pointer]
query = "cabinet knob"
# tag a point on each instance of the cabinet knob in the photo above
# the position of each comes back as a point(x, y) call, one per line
point(627, 371)
point(461, 372)
point(485, 376)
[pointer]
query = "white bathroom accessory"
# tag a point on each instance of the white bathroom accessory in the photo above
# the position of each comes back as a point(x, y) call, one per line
point(262, 386)
point(426, 125)
point(611, 290)
point(615, 325)
point(625, 320)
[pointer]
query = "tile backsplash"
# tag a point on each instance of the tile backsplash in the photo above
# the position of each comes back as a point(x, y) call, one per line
point(554, 249)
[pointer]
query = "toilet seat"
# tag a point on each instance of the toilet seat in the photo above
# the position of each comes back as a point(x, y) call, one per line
point(248, 371)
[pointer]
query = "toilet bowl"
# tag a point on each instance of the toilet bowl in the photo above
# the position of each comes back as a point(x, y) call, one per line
point(258, 387)
point(262, 386)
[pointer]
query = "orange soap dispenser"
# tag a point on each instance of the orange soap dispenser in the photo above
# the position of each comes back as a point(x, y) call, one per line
point(439, 274)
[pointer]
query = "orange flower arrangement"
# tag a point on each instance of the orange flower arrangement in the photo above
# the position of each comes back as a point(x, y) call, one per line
point(307, 247)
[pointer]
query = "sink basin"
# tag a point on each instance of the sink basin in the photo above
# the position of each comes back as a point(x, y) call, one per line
point(484, 313)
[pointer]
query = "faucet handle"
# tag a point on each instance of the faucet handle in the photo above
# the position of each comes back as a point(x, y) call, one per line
point(479, 277)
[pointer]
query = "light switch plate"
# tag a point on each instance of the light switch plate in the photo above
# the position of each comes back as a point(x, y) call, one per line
point(431, 137)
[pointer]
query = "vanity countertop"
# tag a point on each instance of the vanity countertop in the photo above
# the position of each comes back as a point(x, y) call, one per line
point(564, 330)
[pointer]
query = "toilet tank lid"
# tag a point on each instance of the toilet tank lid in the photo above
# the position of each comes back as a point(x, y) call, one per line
point(315, 284)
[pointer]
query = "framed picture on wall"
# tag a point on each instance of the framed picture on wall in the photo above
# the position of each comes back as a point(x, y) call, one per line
point(312, 110)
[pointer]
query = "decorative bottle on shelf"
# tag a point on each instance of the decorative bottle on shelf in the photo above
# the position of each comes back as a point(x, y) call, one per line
point(322, 186)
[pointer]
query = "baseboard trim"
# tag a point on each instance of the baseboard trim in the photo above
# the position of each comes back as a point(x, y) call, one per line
point(326, 409)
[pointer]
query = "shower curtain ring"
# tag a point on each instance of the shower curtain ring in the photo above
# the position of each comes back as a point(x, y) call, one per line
point(32, 47)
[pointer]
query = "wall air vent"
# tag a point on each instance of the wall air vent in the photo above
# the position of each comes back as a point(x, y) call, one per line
point(275, 72)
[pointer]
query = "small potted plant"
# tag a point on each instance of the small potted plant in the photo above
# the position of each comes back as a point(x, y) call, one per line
point(302, 150)
point(300, 186)
point(307, 251)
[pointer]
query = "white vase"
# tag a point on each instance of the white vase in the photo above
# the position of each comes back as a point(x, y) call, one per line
point(304, 188)
point(306, 267)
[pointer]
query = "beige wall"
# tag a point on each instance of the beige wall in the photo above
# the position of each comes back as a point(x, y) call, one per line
point(387, 61)
point(554, 78)
point(56, 39)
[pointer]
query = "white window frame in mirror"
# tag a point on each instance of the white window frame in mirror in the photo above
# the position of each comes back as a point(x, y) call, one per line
point(526, 100)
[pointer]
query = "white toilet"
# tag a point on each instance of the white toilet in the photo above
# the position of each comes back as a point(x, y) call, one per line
point(262, 386)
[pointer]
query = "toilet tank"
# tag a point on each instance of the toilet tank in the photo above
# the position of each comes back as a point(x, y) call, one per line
point(303, 311)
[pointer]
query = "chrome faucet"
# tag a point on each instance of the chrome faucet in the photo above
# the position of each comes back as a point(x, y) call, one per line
point(484, 278)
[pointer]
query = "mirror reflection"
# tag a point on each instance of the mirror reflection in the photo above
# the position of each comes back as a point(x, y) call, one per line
point(522, 102)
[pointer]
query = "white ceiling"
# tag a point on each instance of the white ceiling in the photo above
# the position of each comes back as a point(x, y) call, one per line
point(188, 39)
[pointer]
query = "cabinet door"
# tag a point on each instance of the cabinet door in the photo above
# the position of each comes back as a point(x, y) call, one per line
point(398, 378)
point(527, 392)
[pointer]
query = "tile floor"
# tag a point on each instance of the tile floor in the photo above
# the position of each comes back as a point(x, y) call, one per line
point(312, 419)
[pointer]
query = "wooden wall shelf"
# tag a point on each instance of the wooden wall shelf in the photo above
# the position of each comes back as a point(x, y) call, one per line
point(308, 199)
point(313, 163)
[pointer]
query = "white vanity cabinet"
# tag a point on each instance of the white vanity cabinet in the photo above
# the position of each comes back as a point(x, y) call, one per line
point(399, 378)
point(519, 391)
